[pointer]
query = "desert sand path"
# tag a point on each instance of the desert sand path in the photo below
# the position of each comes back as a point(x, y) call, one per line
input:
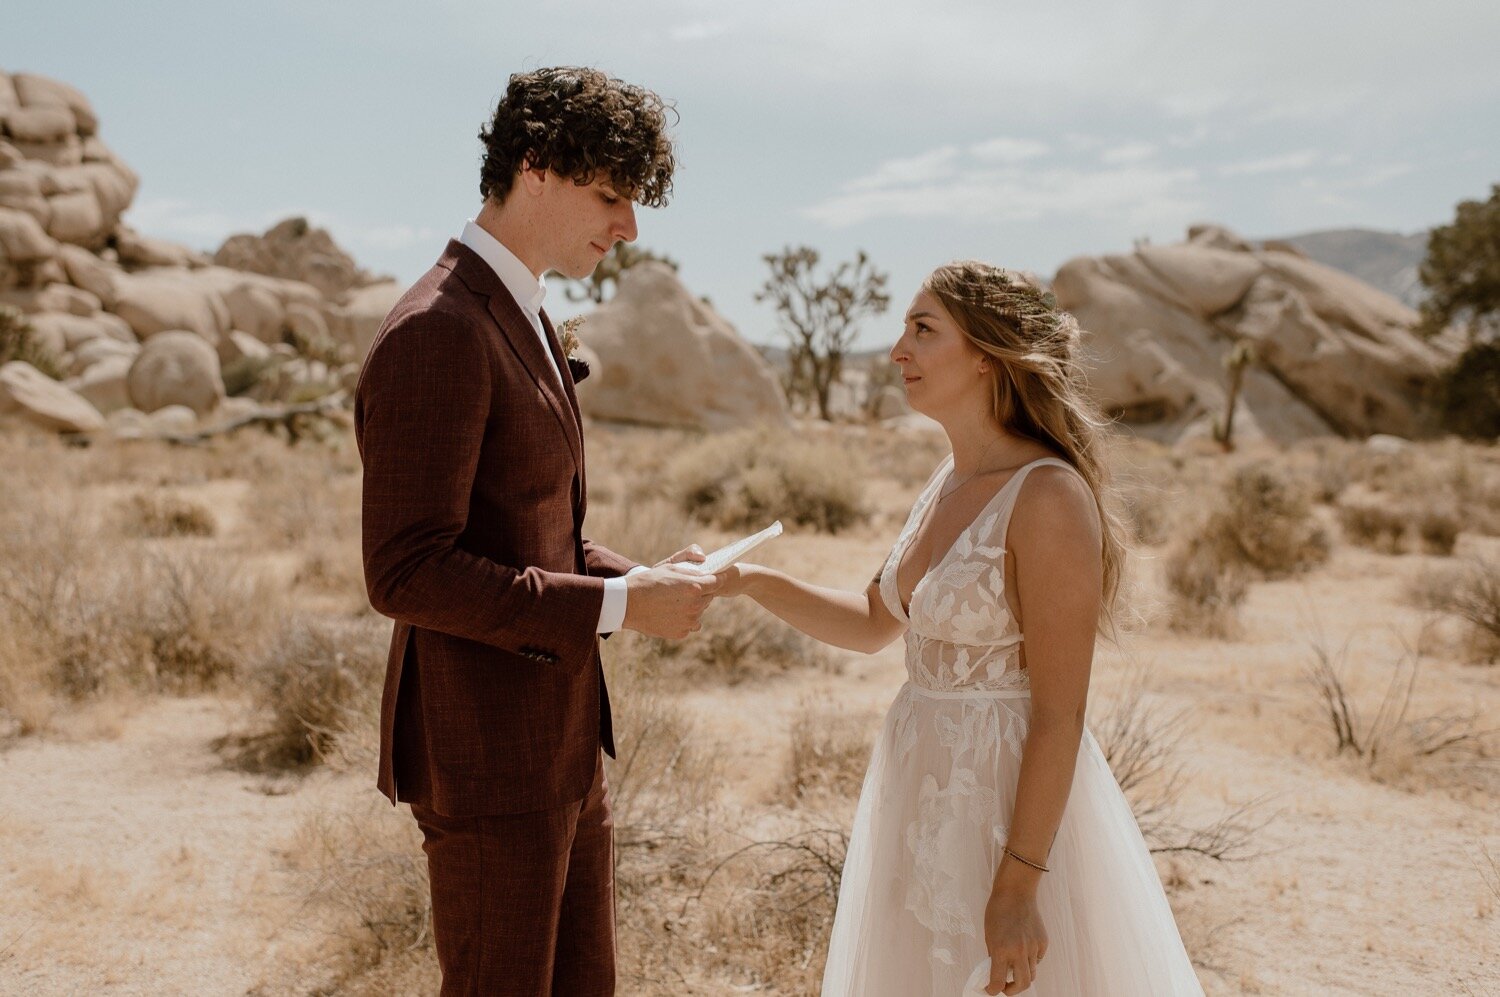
point(140, 864)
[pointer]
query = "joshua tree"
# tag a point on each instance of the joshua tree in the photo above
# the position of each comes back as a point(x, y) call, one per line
point(820, 318)
point(1235, 362)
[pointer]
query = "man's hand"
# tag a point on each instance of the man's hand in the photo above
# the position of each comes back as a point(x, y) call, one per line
point(693, 554)
point(667, 601)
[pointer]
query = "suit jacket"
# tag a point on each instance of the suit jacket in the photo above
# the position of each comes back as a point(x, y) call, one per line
point(474, 498)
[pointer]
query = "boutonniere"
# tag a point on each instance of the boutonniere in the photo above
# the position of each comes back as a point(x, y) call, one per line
point(567, 334)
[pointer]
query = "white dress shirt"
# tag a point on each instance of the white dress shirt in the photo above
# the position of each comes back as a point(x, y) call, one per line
point(529, 290)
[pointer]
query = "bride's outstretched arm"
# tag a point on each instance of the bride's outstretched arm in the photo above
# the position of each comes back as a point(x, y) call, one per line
point(1055, 538)
point(857, 621)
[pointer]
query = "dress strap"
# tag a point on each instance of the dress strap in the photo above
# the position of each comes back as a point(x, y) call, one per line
point(1013, 487)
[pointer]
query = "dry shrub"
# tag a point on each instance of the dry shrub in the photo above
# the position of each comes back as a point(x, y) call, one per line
point(1205, 590)
point(318, 678)
point(1375, 521)
point(303, 499)
point(1372, 524)
point(1143, 748)
point(165, 515)
point(25, 706)
point(365, 883)
point(1471, 592)
point(1438, 530)
point(1391, 743)
point(645, 531)
point(769, 908)
point(202, 619)
point(907, 456)
point(737, 642)
point(18, 342)
point(744, 480)
point(830, 752)
point(1463, 478)
point(1264, 520)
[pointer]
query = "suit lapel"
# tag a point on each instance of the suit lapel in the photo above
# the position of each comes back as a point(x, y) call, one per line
point(523, 340)
point(568, 386)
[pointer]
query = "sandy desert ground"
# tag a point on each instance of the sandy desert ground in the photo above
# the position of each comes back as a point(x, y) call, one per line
point(167, 828)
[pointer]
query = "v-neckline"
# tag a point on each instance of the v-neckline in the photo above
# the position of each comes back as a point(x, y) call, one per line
point(933, 566)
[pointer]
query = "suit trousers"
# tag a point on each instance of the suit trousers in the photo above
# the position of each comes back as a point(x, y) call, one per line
point(523, 905)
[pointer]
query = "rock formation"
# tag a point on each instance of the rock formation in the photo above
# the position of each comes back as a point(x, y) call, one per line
point(93, 292)
point(667, 359)
point(1333, 355)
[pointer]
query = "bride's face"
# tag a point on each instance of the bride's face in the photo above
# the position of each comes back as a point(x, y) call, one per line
point(941, 369)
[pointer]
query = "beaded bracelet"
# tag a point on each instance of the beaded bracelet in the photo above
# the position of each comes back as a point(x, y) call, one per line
point(1026, 861)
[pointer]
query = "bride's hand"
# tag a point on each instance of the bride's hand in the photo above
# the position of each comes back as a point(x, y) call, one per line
point(1016, 940)
point(692, 553)
point(735, 579)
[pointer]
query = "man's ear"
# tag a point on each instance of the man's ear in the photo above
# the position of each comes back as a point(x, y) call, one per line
point(533, 179)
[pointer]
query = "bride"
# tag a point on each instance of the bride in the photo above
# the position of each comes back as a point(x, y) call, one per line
point(990, 828)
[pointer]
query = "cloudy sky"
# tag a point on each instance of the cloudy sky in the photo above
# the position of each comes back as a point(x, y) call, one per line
point(1023, 135)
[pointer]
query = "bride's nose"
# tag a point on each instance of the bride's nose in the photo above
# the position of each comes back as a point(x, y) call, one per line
point(899, 353)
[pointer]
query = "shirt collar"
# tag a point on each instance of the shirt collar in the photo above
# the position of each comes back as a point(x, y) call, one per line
point(518, 280)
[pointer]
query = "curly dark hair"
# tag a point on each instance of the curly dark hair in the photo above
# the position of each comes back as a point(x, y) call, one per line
point(579, 123)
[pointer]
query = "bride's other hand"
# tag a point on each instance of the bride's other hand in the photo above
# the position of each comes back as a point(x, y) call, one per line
point(692, 553)
point(1016, 940)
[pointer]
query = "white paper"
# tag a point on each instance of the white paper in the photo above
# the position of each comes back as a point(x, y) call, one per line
point(725, 556)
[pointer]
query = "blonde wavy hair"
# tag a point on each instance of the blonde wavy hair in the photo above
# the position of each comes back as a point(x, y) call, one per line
point(1037, 387)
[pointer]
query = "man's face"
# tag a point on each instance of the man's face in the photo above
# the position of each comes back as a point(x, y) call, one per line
point(581, 223)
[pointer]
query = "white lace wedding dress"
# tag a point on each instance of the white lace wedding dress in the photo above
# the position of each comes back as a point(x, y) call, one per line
point(938, 797)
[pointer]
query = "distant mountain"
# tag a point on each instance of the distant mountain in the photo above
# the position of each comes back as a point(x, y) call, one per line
point(1386, 260)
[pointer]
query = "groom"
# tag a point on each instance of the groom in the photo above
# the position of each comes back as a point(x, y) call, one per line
point(495, 712)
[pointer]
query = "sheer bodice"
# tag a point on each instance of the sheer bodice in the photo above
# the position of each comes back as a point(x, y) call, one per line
point(961, 634)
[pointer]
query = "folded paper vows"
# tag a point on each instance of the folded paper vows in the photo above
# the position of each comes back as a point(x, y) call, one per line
point(725, 556)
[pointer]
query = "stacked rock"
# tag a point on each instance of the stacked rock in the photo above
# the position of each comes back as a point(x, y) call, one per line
point(140, 326)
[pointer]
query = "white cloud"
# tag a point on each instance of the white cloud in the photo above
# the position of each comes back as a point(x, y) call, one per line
point(696, 31)
point(1283, 163)
point(1131, 152)
point(1009, 150)
point(924, 167)
point(975, 190)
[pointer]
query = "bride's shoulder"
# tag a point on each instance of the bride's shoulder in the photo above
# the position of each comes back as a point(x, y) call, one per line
point(1055, 502)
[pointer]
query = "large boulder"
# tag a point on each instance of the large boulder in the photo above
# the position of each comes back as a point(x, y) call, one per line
point(155, 301)
point(668, 359)
point(29, 394)
point(295, 250)
point(355, 322)
point(104, 384)
point(176, 368)
point(1333, 354)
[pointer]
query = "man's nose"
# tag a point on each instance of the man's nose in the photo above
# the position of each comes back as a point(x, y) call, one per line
point(625, 230)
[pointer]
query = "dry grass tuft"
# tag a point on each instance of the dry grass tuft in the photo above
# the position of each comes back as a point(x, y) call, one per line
point(165, 515)
point(1264, 520)
point(1471, 592)
point(744, 480)
point(317, 679)
point(1390, 742)
point(1143, 748)
point(366, 889)
point(830, 752)
point(1205, 591)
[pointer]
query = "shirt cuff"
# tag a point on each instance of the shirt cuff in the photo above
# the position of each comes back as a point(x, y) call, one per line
point(612, 610)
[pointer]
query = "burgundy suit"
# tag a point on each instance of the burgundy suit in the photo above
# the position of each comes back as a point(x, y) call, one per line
point(494, 710)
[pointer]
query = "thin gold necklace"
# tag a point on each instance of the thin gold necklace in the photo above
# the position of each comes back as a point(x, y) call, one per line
point(970, 476)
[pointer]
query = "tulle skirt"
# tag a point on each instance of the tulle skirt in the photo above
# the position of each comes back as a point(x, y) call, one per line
point(927, 838)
